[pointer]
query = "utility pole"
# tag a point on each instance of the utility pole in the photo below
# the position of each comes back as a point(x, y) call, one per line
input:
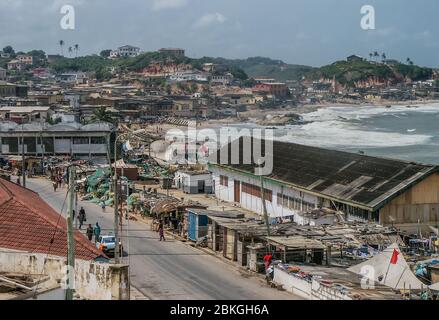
point(70, 235)
point(23, 160)
point(116, 204)
point(264, 206)
point(43, 170)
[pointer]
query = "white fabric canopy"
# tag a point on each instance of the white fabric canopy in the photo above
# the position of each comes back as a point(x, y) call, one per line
point(397, 276)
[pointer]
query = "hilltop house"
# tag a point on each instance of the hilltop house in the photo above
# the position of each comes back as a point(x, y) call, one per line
point(26, 59)
point(125, 52)
point(176, 52)
point(16, 65)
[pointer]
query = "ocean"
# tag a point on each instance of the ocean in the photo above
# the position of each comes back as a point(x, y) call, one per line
point(399, 132)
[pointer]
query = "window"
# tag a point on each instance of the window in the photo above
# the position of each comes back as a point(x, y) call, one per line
point(80, 140)
point(98, 140)
point(224, 181)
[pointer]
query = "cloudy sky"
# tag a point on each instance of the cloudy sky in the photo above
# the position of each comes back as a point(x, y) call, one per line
point(311, 32)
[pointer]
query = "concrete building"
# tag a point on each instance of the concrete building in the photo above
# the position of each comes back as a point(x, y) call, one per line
point(278, 89)
point(25, 114)
point(125, 52)
point(224, 79)
point(176, 52)
point(12, 90)
point(390, 192)
point(26, 59)
point(16, 65)
point(2, 74)
point(193, 182)
point(81, 141)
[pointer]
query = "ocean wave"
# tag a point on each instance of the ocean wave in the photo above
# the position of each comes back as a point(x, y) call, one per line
point(336, 134)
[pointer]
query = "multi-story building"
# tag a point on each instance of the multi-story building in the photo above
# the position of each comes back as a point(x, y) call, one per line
point(16, 65)
point(2, 74)
point(81, 141)
point(12, 90)
point(125, 52)
point(223, 79)
point(25, 114)
point(176, 52)
point(278, 89)
point(26, 59)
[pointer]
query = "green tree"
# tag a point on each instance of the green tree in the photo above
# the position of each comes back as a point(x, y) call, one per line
point(9, 49)
point(76, 47)
point(101, 115)
point(105, 53)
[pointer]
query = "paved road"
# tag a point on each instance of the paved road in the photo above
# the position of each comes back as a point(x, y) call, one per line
point(171, 269)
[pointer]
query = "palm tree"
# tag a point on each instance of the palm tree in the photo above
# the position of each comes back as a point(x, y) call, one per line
point(61, 44)
point(370, 55)
point(408, 60)
point(70, 51)
point(101, 115)
point(376, 54)
point(383, 56)
point(76, 49)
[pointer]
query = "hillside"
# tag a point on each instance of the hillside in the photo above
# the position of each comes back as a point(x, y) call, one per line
point(263, 67)
point(352, 73)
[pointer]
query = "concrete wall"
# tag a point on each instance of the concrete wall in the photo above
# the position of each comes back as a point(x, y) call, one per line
point(93, 280)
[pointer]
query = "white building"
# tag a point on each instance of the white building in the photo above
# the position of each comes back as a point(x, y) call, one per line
point(81, 141)
point(125, 52)
point(224, 80)
point(193, 182)
point(305, 178)
point(188, 76)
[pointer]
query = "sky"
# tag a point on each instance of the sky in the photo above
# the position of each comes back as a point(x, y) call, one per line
point(308, 32)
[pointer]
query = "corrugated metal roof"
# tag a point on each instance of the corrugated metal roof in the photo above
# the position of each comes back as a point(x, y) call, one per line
point(346, 177)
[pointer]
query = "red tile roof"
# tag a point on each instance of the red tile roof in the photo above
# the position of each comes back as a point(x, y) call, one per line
point(27, 223)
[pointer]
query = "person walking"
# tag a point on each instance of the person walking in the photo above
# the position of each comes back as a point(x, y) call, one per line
point(82, 217)
point(161, 232)
point(103, 206)
point(89, 232)
point(97, 232)
point(55, 185)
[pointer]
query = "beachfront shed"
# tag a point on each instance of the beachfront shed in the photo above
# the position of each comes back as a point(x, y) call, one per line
point(198, 221)
point(297, 249)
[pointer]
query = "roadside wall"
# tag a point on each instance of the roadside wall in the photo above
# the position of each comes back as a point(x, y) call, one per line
point(93, 280)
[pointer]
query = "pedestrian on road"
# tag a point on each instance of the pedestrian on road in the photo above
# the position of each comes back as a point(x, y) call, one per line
point(89, 232)
point(82, 217)
point(103, 206)
point(97, 232)
point(161, 232)
point(55, 185)
point(180, 227)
